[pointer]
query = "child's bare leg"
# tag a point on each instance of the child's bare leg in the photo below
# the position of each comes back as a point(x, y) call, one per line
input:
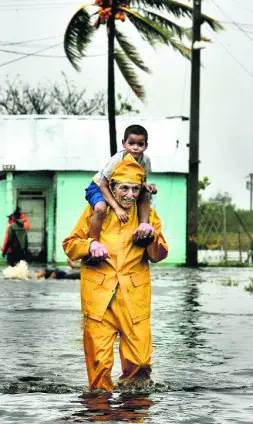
point(144, 206)
point(97, 220)
point(143, 235)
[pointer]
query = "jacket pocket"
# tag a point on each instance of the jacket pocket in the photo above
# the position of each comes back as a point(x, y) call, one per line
point(139, 292)
point(93, 275)
point(140, 278)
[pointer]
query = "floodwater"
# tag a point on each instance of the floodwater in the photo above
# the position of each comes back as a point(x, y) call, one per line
point(202, 353)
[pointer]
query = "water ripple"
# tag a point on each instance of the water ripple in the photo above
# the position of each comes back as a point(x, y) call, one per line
point(202, 354)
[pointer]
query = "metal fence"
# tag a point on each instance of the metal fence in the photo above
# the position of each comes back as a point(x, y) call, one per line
point(216, 244)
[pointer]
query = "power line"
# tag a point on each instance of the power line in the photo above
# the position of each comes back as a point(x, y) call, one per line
point(248, 30)
point(238, 23)
point(29, 3)
point(24, 45)
point(28, 55)
point(31, 9)
point(234, 22)
point(22, 4)
point(243, 7)
point(45, 55)
point(14, 43)
point(34, 54)
point(235, 58)
point(34, 6)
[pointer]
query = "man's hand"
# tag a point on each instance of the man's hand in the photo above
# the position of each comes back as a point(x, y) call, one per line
point(121, 214)
point(151, 188)
point(144, 231)
point(98, 251)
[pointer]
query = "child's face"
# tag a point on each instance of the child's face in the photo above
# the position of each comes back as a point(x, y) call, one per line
point(135, 144)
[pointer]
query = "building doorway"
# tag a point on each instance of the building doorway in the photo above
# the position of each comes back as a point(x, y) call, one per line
point(33, 205)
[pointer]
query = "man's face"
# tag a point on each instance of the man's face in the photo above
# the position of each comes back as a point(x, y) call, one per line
point(135, 144)
point(126, 194)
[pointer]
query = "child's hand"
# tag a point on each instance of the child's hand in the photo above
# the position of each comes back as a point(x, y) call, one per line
point(151, 188)
point(121, 214)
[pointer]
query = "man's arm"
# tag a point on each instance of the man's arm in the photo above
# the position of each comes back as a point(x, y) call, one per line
point(158, 249)
point(78, 245)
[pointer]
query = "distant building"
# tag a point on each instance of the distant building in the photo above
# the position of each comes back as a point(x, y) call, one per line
point(47, 161)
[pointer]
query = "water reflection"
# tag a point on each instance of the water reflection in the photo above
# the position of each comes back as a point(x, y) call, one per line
point(189, 326)
point(104, 407)
point(202, 357)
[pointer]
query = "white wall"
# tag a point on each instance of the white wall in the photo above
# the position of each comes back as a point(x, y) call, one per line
point(82, 143)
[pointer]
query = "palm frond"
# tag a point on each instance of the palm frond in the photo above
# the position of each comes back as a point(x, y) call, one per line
point(130, 51)
point(164, 22)
point(77, 37)
point(128, 73)
point(181, 48)
point(215, 25)
point(189, 35)
point(155, 33)
point(178, 9)
point(150, 31)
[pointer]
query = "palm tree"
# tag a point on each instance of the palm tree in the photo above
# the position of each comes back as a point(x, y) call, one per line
point(150, 18)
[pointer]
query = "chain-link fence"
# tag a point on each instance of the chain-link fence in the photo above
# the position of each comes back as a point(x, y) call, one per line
point(218, 240)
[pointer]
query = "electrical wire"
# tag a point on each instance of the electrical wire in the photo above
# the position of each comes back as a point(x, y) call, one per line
point(239, 23)
point(37, 53)
point(47, 55)
point(34, 54)
point(14, 43)
point(33, 7)
point(28, 55)
point(234, 57)
point(243, 7)
point(30, 3)
point(233, 22)
point(40, 4)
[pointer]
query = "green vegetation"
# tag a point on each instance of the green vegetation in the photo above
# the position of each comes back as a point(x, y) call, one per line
point(230, 264)
point(229, 282)
point(217, 241)
point(249, 287)
point(221, 225)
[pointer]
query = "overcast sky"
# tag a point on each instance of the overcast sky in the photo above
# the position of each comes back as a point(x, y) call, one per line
point(226, 130)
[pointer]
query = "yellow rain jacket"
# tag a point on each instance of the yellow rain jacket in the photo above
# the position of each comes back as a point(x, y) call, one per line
point(127, 266)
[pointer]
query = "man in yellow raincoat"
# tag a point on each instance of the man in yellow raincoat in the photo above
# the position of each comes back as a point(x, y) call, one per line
point(115, 281)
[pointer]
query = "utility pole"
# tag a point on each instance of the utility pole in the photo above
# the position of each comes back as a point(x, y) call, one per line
point(249, 185)
point(193, 178)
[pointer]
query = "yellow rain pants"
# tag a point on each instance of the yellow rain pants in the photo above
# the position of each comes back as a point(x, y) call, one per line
point(135, 345)
point(127, 269)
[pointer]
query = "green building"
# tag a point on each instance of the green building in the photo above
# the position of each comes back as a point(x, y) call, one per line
point(47, 161)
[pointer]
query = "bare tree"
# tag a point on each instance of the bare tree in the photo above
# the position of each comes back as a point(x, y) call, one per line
point(18, 98)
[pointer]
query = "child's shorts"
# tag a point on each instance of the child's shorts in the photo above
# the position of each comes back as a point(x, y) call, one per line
point(93, 194)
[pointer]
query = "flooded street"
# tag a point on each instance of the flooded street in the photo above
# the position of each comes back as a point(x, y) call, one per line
point(202, 353)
